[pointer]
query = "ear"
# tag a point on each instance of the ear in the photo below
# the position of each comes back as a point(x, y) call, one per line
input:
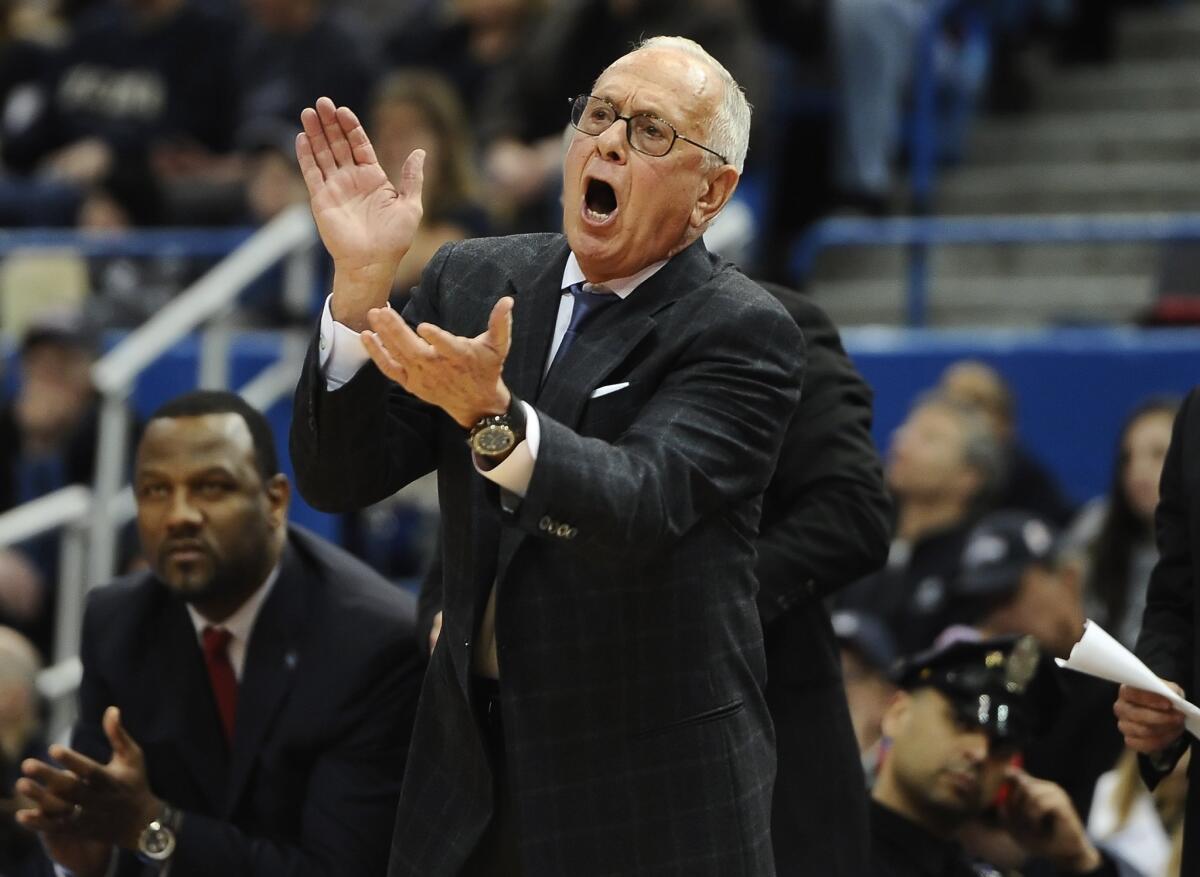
point(718, 189)
point(279, 494)
point(896, 714)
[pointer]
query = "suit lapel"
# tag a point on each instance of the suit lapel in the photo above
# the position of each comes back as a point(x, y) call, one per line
point(271, 660)
point(609, 339)
point(534, 315)
point(189, 716)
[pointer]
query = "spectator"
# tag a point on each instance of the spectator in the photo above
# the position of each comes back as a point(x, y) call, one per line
point(1119, 529)
point(466, 41)
point(1017, 579)
point(1027, 483)
point(1144, 827)
point(142, 83)
point(867, 654)
point(964, 713)
point(943, 463)
point(419, 110)
point(295, 51)
point(246, 705)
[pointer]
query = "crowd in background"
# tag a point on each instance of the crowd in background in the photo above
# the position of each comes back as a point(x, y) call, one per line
point(117, 114)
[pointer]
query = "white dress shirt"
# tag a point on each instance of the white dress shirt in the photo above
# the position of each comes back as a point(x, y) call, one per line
point(240, 624)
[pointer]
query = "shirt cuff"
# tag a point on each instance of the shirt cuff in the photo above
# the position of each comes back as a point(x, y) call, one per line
point(340, 350)
point(113, 860)
point(516, 471)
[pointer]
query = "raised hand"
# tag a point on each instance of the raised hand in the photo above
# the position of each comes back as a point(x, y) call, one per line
point(462, 376)
point(366, 221)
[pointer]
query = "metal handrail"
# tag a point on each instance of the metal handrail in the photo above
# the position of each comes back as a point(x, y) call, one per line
point(67, 505)
point(291, 233)
point(195, 242)
point(925, 231)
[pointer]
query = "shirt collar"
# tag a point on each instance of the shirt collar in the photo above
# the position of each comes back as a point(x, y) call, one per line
point(241, 622)
point(622, 286)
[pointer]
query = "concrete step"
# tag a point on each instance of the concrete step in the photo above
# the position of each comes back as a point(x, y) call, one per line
point(1011, 260)
point(1163, 83)
point(1070, 187)
point(1166, 31)
point(1099, 137)
point(992, 301)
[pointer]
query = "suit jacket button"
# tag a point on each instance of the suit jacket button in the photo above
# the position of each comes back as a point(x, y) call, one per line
point(572, 532)
point(562, 531)
point(545, 523)
point(811, 587)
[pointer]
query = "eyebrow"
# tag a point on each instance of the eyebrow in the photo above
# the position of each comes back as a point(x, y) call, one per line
point(642, 112)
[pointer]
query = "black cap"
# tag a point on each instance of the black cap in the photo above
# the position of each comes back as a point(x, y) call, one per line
point(998, 551)
point(1006, 685)
point(867, 635)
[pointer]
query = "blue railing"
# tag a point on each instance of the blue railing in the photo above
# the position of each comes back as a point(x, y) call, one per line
point(199, 242)
point(921, 233)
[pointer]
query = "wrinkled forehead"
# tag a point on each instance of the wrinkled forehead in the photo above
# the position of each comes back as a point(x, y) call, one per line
point(671, 82)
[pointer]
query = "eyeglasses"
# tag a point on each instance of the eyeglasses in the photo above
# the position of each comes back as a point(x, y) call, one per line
point(646, 133)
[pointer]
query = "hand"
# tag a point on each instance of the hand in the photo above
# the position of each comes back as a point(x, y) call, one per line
point(1041, 818)
point(435, 631)
point(462, 376)
point(1149, 721)
point(86, 161)
point(85, 800)
point(365, 221)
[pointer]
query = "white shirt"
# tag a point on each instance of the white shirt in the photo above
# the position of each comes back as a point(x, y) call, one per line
point(240, 624)
point(342, 354)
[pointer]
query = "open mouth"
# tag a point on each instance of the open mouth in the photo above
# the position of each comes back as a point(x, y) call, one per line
point(599, 201)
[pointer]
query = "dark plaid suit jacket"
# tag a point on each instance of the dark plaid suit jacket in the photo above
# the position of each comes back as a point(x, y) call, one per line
point(631, 655)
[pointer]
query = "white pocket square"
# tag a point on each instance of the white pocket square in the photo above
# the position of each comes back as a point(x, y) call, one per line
point(611, 388)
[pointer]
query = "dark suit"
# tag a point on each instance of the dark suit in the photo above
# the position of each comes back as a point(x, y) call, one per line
point(325, 707)
point(638, 739)
point(1167, 642)
point(826, 522)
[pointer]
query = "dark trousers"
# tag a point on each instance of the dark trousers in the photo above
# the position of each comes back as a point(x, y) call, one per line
point(498, 852)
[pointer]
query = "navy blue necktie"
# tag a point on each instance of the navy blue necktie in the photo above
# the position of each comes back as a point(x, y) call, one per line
point(587, 305)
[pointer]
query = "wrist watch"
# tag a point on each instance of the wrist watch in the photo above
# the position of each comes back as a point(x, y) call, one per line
point(494, 436)
point(156, 844)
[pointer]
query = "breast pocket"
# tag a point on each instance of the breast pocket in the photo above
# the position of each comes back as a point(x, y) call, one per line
point(612, 408)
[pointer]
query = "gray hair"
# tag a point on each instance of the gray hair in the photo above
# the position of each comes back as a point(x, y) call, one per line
point(729, 128)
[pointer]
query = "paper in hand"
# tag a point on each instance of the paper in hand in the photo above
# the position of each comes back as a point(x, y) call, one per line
point(1098, 654)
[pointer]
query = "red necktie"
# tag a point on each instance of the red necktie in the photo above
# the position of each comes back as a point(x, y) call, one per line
point(220, 673)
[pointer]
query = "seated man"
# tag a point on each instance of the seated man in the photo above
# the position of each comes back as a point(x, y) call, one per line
point(942, 465)
point(955, 733)
point(246, 705)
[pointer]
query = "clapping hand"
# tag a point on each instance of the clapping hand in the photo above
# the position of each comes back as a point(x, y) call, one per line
point(366, 221)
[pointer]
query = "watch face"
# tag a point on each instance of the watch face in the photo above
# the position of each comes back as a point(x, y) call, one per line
point(157, 842)
point(493, 440)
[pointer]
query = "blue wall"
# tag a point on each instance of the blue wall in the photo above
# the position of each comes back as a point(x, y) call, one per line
point(1073, 386)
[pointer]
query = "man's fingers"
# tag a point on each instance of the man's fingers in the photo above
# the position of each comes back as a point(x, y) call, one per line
point(51, 805)
point(1151, 717)
point(123, 745)
point(63, 784)
point(412, 176)
point(1148, 699)
point(313, 178)
point(397, 336)
point(339, 146)
point(356, 135)
point(386, 363)
point(314, 132)
point(88, 771)
point(499, 331)
point(443, 342)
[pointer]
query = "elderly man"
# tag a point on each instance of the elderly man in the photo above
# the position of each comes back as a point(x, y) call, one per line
point(246, 704)
point(594, 704)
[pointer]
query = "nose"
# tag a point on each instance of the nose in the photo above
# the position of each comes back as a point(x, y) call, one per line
point(613, 143)
point(182, 514)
